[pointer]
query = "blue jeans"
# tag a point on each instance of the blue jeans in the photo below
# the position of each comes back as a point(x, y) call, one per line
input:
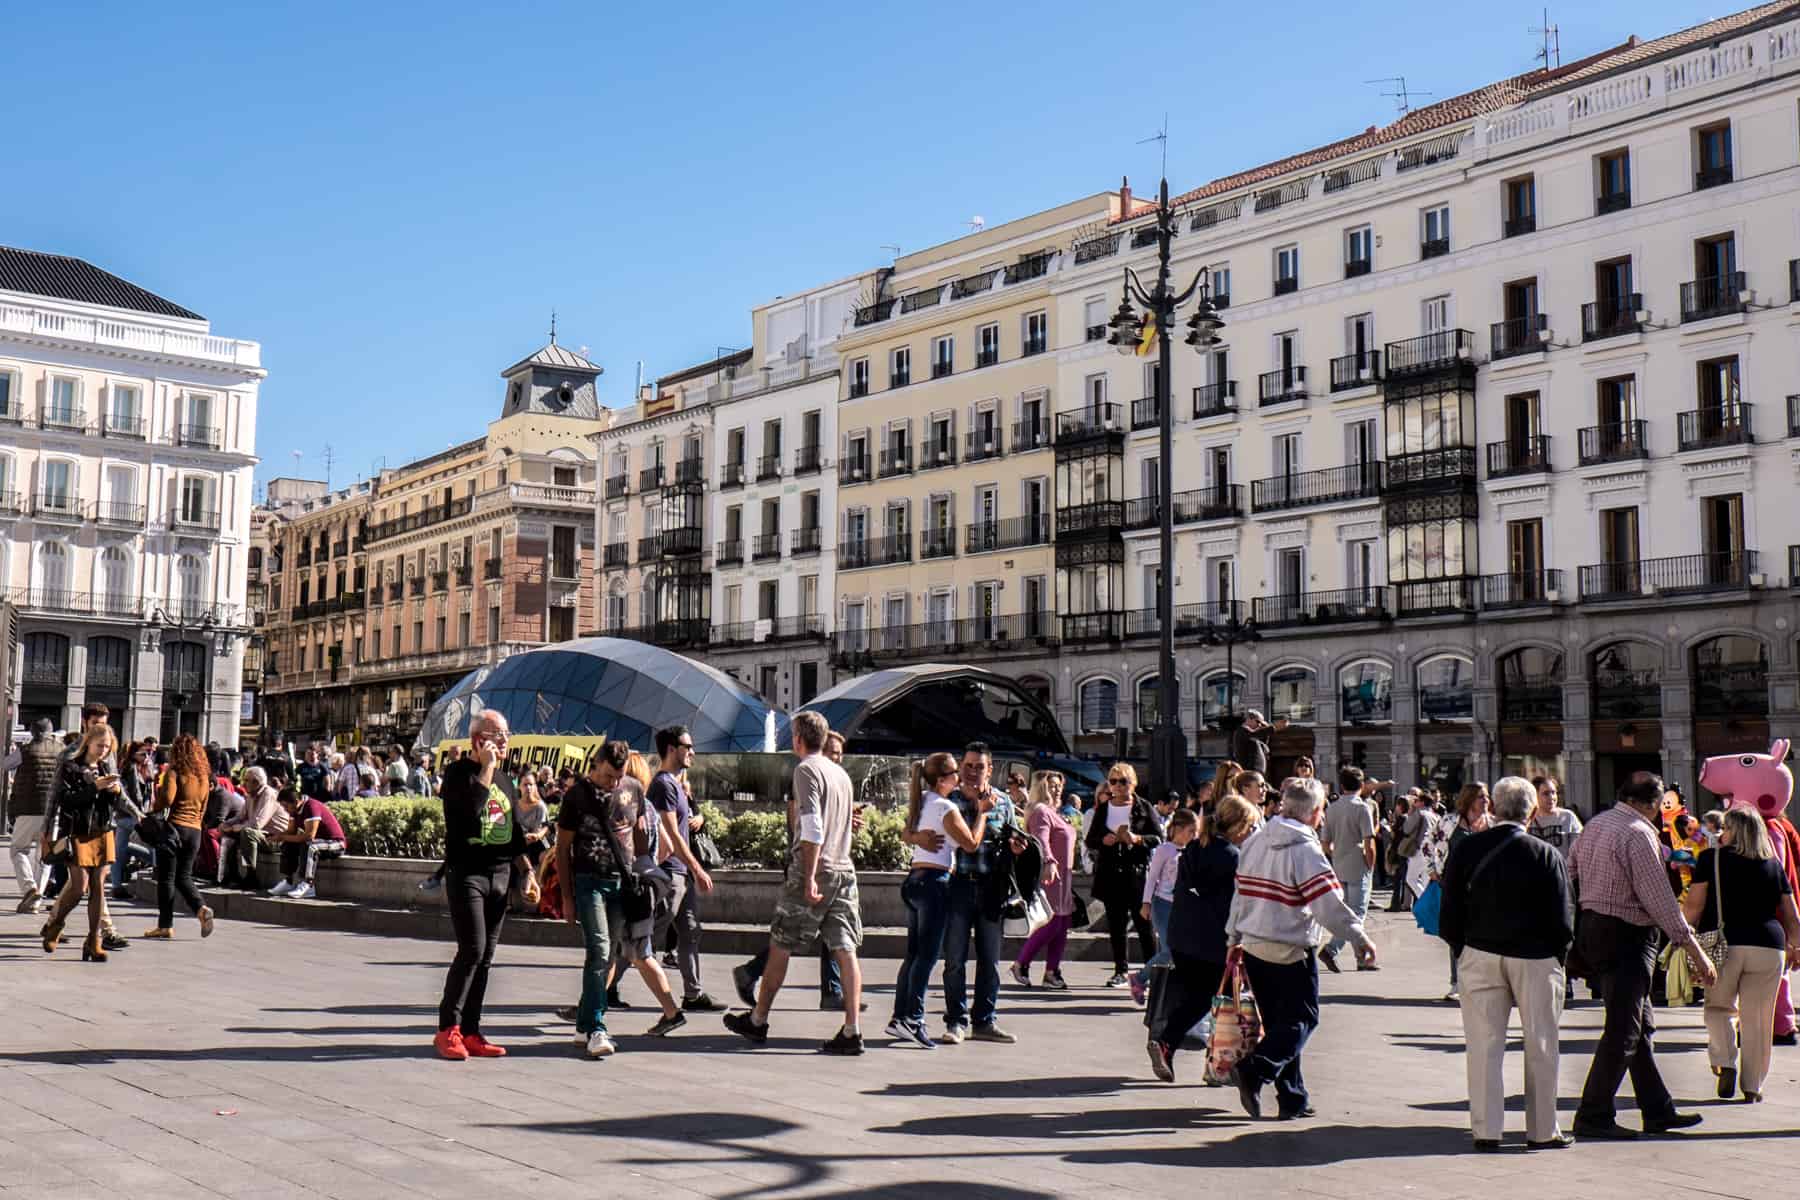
point(1356, 895)
point(596, 899)
point(965, 923)
point(1287, 1000)
point(927, 897)
point(1159, 917)
point(125, 853)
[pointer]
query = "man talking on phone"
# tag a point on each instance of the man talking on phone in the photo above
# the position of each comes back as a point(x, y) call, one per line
point(483, 846)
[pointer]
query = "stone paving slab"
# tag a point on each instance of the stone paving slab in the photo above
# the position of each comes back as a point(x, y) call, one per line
point(286, 1063)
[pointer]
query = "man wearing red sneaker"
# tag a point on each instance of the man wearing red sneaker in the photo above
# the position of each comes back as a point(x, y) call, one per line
point(483, 846)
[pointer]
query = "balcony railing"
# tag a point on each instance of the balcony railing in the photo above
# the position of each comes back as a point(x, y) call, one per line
point(1434, 247)
point(1793, 280)
point(1445, 350)
point(853, 468)
point(1616, 441)
point(63, 418)
point(1715, 296)
point(1454, 465)
point(936, 453)
point(1686, 574)
point(206, 437)
point(875, 552)
point(395, 589)
point(729, 551)
point(120, 513)
point(1146, 413)
point(1009, 533)
point(12, 504)
point(1089, 421)
point(649, 549)
point(1357, 266)
point(1434, 597)
point(1191, 620)
point(896, 460)
point(1030, 267)
point(1705, 428)
point(1329, 486)
point(418, 520)
point(1201, 504)
point(938, 543)
point(731, 474)
point(1518, 456)
point(804, 541)
point(985, 443)
point(690, 469)
point(1520, 335)
point(490, 568)
point(682, 540)
point(1355, 370)
point(1030, 435)
point(1099, 516)
point(1322, 608)
point(1612, 317)
point(1285, 284)
point(617, 486)
point(807, 460)
point(1215, 399)
point(1093, 627)
point(440, 581)
point(1519, 226)
point(869, 314)
point(1281, 385)
point(765, 546)
point(1712, 177)
point(415, 586)
point(11, 413)
point(768, 467)
point(650, 478)
point(987, 356)
point(1612, 202)
point(615, 554)
point(120, 425)
point(1521, 589)
point(62, 600)
point(204, 520)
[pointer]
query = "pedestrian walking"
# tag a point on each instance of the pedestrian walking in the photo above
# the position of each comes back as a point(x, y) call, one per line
point(33, 783)
point(181, 797)
point(1348, 836)
point(1509, 919)
point(819, 899)
point(483, 846)
point(688, 880)
point(1122, 837)
point(81, 811)
point(1057, 842)
point(1159, 894)
point(1616, 870)
point(1741, 893)
point(1285, 892)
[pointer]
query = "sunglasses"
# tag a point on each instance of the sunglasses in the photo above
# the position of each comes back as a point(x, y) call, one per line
point(1118, 779)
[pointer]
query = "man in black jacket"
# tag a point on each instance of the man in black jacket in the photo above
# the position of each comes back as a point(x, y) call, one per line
point(1508, 918)
point(33, 784)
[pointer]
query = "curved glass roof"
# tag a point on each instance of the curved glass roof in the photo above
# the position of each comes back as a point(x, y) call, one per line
point(906, 710)
point(622, 689)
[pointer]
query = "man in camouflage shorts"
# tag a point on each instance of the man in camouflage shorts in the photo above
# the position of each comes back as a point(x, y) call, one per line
point(819, 899)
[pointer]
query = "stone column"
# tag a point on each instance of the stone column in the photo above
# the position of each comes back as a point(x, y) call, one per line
point(1578, 737)
point(1678, 728)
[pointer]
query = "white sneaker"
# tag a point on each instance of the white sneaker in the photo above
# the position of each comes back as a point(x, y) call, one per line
point(303, 892)
point(581, 1041)
point(281, 889)
point(599, 1045)
point(954, 1034)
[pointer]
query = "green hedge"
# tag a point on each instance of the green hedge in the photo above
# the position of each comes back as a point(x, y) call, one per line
point(413, 827)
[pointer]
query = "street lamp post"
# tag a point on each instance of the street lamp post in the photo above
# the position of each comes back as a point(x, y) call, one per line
point(1131, 332)
point(1229, 633)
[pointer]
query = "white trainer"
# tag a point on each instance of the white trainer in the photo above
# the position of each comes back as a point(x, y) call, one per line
point(599, 1045)
point(303, 892)
point(281, 889)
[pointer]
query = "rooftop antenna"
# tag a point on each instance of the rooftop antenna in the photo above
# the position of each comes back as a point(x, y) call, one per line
point(891, 246)
point(976, 223)
point(1401, 96)
point(553, 327)
point(328, 456)
point(1161, 136)
point(298, 455)
point(1551, 52)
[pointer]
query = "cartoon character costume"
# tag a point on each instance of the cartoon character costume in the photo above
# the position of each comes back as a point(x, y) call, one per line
point(1763, 783)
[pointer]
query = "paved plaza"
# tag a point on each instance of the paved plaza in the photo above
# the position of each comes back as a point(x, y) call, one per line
point(275, 1063)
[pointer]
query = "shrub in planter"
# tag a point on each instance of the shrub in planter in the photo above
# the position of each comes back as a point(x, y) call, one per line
point(757, 839)
point(878, 846)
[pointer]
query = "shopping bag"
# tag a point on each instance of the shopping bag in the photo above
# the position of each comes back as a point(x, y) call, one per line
point(1426, 907)
point(1236, 1029)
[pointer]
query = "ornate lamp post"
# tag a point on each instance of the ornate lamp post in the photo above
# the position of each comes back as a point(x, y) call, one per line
point(1132, 332)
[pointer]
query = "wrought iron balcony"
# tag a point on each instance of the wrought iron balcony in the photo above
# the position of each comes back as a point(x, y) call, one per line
point(1146, 413)
point(431, 515)
point(120, 513)
point(1712, 177)
point(1519, 226)
point(1687, 574)
point(617, 486)
point(1434, 247)
point(12, 504)
point(10, 412)
point(765, 546)
point(942, 368)
point(729, 552)
point(869, 314)
point(62, 600)
point(1285, 284)
point(896, 460)
point(875, 552)
point(440, 581)
point(768, 467)
point(1519, 456)
point(490, 568)
point(804, 541)
point(1200, 504)
point(1357, 266)
point(1793, 280)
point(859, 387)
point(650, 478)
point(938, 543)
point(340, 548)
point(1008, 533)
point(1616, 441)
point(1304, 488)
point(690, 470)
point(1095, 333)
point(1281, 385)
point(1099, 516)
point(980, 444)
point(205, 437)
point(1434, 597)
point(987, 356)
point(1087, 423)
point(649, 549)
point(682, 540)
point(1191, 620)
point(900, 376)
point(731, 475)
point(1030, 267)
point(807, 460)
point(1093, 627)
point(854, 468)
point(1715, 296)
point(1322, 608)
point(1612, 202)
point(1215, 399)
point(1521, 589)
point(1096, 248)
point(1519, 335)
point(188, 519)
point(1615, 317)
point(1355, 370)
point(924, 298)
point(67, 419)
point(1429, 354)
point(119, 425)
point(395, 589)
point(936, 453)
point(1706, 428)
point(1030, 435)
point(415, 586)
point(1453, 466)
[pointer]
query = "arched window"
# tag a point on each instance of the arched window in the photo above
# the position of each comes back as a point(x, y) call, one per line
point(108, 664)
point(1447, 688)
point(1531, 685)
point(1291, 693)
point(1149, 701)
point(184, 669)
point(46, 659)
point(1099, 706)
point(1220, 697)
point(113, 577)
point(190, 588)
point(1627, 681)
point(1366, 693)
point(1731, 677)
point(53, 575)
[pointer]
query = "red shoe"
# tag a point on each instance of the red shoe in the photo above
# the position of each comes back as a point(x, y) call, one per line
point(449, 1044)
point(479, 1047)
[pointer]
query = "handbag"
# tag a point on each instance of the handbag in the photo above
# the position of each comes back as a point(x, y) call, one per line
point(156, 833)
point(1427, 906)
point(1078, 917)
point(62, 851)
point(1236, 1027)
point(1713, 940)
point(706, 851)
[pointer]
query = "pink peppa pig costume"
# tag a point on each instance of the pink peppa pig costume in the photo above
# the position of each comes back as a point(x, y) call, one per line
point(1763, 782)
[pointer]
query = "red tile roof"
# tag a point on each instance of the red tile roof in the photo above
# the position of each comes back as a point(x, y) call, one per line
point(1503, 94)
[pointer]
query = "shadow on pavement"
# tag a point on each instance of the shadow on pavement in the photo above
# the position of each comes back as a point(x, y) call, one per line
point(1300, 1144)
point(1105, 1123)
point(1050, 1088)
point(743, 1135)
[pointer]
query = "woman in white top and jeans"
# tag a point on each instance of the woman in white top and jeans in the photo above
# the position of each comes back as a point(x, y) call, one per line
point(927, 889)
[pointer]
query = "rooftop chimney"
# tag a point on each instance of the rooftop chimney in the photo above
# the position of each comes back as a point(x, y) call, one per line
point(1124, 196)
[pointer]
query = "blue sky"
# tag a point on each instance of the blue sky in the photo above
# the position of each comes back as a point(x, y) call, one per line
point(392, 197)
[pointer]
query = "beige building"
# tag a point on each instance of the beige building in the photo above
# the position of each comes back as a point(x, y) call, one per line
point(945, 473)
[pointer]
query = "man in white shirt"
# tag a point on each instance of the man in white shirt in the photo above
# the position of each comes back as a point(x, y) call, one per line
point(1348, 835)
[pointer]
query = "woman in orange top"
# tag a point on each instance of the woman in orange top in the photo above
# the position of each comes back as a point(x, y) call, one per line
point(181, 796)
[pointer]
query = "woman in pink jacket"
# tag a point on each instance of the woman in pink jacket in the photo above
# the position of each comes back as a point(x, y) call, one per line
point(1056, 842)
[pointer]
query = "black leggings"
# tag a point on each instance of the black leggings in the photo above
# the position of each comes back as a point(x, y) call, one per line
point(1121, 909)
point(175, 873)
point(477, 911)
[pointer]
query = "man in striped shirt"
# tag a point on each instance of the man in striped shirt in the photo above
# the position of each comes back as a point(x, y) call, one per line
point(1286, 890)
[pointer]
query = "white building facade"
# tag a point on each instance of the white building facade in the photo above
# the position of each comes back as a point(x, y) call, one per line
point(127, 448)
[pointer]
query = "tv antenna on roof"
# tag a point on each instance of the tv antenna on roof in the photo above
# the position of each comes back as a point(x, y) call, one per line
point(1551, 52)
point(1162, 135)
point(891, 246)
point(1401, 96)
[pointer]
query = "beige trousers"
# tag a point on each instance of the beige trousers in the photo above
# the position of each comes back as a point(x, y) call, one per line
point(1492, 987)
point(1746, 986)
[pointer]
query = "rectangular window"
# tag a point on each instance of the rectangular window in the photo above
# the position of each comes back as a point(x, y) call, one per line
point(1093, 319)
point(943, 356)
point(1219, 283)
point(1613, 182)
point(562, 624)
point(1037, 333)
point(987, 345)
point(462, 630)
point(1520, 206)
point(1434, 237)
point(1359, 251)
point(562, 552)
point(493, 625)
point(442, 624)
point(1525, 552)
point(1619, 535)
point(1434, 314)
point(1712, 155)
point(859, 377)
point(1287, 269)
point(900, 366)
point(1362, 443)
point(64, 401)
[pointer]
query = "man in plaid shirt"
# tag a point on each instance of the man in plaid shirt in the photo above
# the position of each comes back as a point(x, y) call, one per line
point(1616, 867)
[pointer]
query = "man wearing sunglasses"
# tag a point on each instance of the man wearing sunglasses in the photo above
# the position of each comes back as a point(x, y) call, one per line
point(669, 796)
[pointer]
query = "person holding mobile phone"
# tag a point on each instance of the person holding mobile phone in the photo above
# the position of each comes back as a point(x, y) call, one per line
point(483, 845)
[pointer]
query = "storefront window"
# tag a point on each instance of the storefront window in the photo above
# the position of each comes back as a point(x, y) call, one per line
point(1366, 693)
point(1291, 693)
point(1447, 689)
point(1217, 699)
